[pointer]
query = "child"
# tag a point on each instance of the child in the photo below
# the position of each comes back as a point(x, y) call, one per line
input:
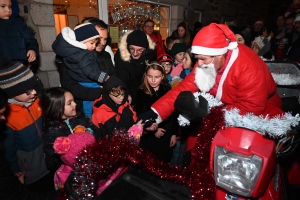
point(112, 111)
point(261, 45)
point(61, 119)
point(170, 41)
point(177, 52)
point(23, 133)
point(166, 62)
point(188, 64)
point(154, 86)
point(76, 49)
point(17, 41)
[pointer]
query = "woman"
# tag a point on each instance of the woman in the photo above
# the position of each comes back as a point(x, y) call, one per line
point(183, 34)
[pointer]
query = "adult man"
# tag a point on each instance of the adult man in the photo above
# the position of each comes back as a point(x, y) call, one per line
point(257, 29)
point(156, 37)
point(135, 48)
point(291, 50)
point(105, 64)
point(279, 32)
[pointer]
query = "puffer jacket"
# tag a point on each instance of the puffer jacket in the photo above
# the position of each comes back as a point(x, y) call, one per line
point(129, 70)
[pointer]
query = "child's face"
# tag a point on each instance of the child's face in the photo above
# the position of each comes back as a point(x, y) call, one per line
point(154, 78)
point(167, 66)
point(5, 9)
point(70, 106)
point(28, 97)
point(117, 98)
point(255, 48)
point(187, 62)
point(91, 44)
point(179, 57)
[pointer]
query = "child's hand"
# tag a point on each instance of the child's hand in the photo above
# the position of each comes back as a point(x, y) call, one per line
point(129, 99)
point(20, 176)
point(173, 140)
point(107, 78)
point(140, 124)
point(31, 55)
point(160, 132)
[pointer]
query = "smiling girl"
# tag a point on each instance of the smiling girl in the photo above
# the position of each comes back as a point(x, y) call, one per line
point(61, 119)
point(154, 85)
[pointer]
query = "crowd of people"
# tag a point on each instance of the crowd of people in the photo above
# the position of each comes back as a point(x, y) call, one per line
point(101, 92)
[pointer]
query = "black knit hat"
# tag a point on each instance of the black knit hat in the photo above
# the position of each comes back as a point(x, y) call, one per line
point(177, 48)
point(15, 78)
point(85, 32)
point(138, 38)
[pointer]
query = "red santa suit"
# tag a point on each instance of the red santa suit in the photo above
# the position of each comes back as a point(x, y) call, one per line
point(243, 82)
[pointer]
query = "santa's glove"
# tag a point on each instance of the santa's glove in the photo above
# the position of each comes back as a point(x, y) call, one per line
point(189, 108)
point(147, 118)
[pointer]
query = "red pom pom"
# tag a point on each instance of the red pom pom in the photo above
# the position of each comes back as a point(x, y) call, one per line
point(62, 145)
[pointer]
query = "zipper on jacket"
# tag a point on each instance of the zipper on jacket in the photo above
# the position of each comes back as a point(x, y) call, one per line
point(36, 126)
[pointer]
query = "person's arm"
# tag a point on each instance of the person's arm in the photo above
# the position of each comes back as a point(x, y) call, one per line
point(79, 91)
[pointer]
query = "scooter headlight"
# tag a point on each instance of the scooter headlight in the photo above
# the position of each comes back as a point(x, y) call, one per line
point(235, 172)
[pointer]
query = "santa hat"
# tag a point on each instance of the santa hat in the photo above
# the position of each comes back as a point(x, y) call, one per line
point(164, 58)
point(259, 21)
point(214, 39)
point(69, 147)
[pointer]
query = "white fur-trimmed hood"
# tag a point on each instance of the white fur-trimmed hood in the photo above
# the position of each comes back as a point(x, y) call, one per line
point(69, 36)
point(124, 52)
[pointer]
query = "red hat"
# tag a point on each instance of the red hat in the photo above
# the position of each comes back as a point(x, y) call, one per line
point(164, 58)
point(214, 39)
point(259, 21)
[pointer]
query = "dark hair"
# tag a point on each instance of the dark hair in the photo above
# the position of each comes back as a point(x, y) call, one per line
point(95, 22)
point(197, 25)
point(156, 66)
point(53, 104)
point(170, 39)
point(3, 99)
point(146, 21)
point(186, 37)
point(193, 59)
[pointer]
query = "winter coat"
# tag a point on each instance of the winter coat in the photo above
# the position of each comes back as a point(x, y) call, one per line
point(291, 51)
point(109, 116)
point(176, 69)
point(129, 70)
point(244, 82)
point(12, 188)
point(55, 129)
point(16, 38)
point(160, 147)
point(23, 142)
point(81, 63)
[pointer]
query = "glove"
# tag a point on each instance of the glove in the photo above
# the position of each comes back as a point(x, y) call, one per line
point(188, 107)
point(147, 116)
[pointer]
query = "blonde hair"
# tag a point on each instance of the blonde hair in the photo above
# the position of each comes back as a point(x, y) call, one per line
point(155, 65)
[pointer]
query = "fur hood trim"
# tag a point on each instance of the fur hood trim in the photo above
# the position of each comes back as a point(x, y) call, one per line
point(69, 36)
point(124, 52)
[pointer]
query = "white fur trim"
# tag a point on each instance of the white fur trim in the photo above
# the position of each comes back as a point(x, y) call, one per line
point(209, 51)
point(286, 79)
point(232, 45)
point(69, 36)
point(274, 127)
point(158, 119)
point(234, 55)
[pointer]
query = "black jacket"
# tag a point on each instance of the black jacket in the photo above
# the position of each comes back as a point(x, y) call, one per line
point(129, 70)
point(12, 189)
point(158, 146)
point(81, 63)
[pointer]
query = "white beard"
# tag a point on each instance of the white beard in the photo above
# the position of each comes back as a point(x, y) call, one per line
point(205, 77)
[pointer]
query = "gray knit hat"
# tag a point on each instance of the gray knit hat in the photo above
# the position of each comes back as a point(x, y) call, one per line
point(15, 78)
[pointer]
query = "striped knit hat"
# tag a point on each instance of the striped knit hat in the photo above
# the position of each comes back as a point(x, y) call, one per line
point(85, 32)
point(15, 78)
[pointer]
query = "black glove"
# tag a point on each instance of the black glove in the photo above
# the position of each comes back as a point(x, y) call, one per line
point(147, 118)
point(188, 107)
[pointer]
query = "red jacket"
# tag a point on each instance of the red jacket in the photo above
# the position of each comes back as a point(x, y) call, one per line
point(244, 82)
point(160, 47)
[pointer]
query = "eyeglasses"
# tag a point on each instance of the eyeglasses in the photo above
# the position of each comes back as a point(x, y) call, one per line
point(140, 51)
point(28, 92)
point(118, 95)
point(149, 26)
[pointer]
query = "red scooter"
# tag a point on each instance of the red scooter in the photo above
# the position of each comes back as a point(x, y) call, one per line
point(248, 165)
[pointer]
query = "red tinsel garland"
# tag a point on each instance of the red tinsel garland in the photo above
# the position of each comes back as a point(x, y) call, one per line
point(99, 161)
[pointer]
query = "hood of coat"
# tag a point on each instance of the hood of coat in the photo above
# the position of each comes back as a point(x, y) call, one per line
point(65, 43)
point(123, 46)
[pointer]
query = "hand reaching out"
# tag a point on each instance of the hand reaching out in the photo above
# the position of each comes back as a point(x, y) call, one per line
point(160, 132)
point(20, 176)
point(31, 55)
point(173, 140)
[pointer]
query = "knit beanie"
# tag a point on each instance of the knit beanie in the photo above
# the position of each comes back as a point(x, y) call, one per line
point(85, 32)
point(177, 48)
point(138, 38)
point(15, 78)
point(164, 58)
